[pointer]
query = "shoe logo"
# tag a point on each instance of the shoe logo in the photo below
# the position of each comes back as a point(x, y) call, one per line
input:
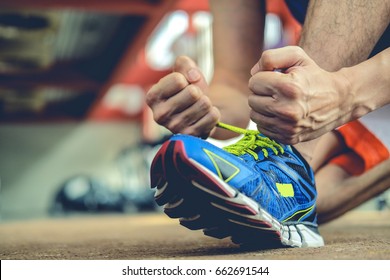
point(225, 169)
point(285, 190)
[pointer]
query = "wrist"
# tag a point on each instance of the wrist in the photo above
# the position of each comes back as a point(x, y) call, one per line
point(357, 101)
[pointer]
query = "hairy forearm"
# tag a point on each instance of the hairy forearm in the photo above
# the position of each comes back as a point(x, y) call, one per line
point(342, 33)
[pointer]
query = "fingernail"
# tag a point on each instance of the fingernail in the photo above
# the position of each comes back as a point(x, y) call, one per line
point(255, 69)
point(193, 75)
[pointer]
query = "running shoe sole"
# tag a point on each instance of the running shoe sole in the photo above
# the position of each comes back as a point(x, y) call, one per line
point(201, 200)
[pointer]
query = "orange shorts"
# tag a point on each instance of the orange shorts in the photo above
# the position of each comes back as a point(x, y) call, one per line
point(364, 144)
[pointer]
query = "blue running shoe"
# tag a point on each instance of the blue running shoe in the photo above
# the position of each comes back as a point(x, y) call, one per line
point(258, 192)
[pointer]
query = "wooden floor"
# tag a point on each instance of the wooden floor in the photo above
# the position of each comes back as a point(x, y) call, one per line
point(357, 235)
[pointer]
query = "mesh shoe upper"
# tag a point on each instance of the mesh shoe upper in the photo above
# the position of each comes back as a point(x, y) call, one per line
point(274, 175)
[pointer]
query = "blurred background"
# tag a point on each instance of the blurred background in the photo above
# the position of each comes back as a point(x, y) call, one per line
point(75, 133)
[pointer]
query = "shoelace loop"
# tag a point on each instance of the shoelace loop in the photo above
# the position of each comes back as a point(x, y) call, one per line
point(251, 141)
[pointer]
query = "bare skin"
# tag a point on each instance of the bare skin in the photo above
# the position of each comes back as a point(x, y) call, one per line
point(340, 34)
point(336, 34)
point(226, 98)
point(336, 45)
point(184, 103)
point(306, 101)
point(337, 190)
point(345, 192)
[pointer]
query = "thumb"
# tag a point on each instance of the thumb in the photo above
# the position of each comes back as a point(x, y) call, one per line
point(191, 72)
point(281, 59)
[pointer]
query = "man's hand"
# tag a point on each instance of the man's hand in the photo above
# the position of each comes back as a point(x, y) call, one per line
point(294, 100)
point(179, 101)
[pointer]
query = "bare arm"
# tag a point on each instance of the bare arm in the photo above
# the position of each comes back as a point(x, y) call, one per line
point(238, 29)
point(307, 100)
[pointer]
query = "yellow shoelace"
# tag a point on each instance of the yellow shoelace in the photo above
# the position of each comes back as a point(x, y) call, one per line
point(250, 142)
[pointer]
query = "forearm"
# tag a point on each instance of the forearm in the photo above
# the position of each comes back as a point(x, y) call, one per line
point(368, 83)
point(339, 34)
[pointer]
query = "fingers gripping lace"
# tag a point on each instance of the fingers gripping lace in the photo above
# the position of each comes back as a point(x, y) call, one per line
point(250, 143)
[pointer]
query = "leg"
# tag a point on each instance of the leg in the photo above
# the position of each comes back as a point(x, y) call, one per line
point(346, 170)
point(329, 146)
point(346, 192)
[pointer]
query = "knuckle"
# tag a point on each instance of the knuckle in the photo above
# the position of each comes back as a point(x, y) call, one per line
point(260, 126)
point(204, 103)
point(290, 113)
point(298, 50)
point(292, 133)
point(253, 113)
point(266, 59)
point(149, 99)
point(193, 92)
point(180, 60)
point(290, 141)
point(151, 95)
point(197, 130)
point(178, 80)
point(293, 136)
point(288, 132)
point(215, 115)
point(288, 138)
point(292, 90)
point(192, 130)
point(176, 125)
point(254, 116)
point(296, 131)
point(293, 140)
point(252, 84)
point(161, 115)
